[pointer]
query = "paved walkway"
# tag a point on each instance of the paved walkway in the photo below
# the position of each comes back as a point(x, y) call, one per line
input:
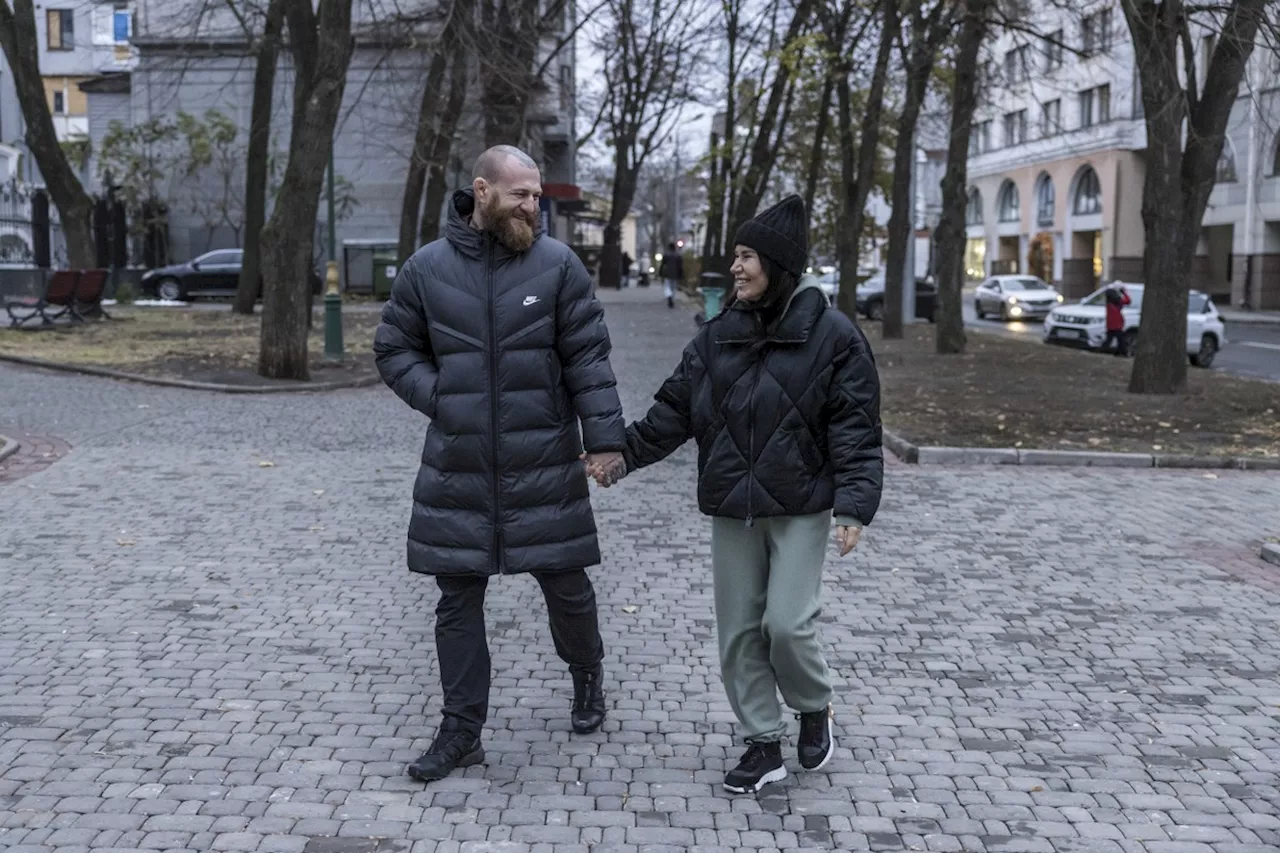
point(208, 642)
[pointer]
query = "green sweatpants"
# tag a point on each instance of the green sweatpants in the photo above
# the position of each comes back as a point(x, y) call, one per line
point(768, 584)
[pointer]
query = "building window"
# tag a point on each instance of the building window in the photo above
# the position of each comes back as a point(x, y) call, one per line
point(1095, 32)
point(60, 29)
point(1053, 51)
point(1226, 171)
point(1017, 65)
point(973, 208)
point(121, 24)
point(1095, 106)
point(59, 103)
point(980, 138)
point(1051, 118)
point(1008, 207)
point(1046, 198)
point(1015, 128)
point(1088, 196)
point(1275, 160)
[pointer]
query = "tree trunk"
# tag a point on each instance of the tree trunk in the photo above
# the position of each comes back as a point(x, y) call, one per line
point(20, 43)
point(506, 68)
point(625, 177)
point(420, 159)
point(257, 158)
point(764, 149)
point(901, 218)
point(819, 145)
point(949, 336)
point(1178, 183)
point(442, 145)
point(859, 176)
point(289, 236)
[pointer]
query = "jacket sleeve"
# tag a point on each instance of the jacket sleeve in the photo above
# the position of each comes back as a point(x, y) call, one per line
point(582, 343)
point(402, 345)
point(669, 422)
point(854, 433)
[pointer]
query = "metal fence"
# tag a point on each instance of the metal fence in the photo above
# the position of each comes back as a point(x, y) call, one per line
point(30, 231)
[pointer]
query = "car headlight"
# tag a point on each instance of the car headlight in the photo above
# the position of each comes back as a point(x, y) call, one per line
point(1013, 300)
point(1061, 298)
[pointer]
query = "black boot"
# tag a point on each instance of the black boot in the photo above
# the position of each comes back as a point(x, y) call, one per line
point(450, 750)
point(671, 302)
point(588, 700)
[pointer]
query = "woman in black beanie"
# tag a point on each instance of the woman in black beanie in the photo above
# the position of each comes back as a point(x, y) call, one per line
point(781, 393)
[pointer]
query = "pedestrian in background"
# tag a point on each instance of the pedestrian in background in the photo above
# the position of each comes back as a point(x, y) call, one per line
point(781, 393)
point(671, 270)
point(1117, 298)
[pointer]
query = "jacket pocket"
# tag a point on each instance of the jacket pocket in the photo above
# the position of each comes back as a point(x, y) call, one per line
point(527, 331)
point(456, 335)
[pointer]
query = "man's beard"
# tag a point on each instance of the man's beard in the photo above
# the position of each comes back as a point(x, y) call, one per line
point(511, 227)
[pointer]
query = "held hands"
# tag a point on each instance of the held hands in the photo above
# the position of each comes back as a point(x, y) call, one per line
point(847, 538)
point(605, 468)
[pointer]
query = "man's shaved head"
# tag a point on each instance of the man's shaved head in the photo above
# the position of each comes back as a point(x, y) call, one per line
point(492, 163)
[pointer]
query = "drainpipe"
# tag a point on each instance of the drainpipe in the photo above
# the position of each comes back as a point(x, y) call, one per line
point(1251, 188)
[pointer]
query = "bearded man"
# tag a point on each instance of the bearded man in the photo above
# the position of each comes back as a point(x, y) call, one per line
point(495, 335)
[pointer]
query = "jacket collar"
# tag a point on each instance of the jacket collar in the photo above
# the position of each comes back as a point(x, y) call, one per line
point(739, 324)
point(469, 241)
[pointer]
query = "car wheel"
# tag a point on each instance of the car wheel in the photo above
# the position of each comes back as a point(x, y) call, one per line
point(1207, 353)
point(875, 311)
point(169, 289)
point(977, 309)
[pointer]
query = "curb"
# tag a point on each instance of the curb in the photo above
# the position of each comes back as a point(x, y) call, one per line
point(913, 455)
point(8, 447)
point(89, 370)
point(1271, 553)
point(1246, 319)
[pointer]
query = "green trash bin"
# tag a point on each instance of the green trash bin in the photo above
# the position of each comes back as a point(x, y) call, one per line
point(385, 267)
point(712, 289)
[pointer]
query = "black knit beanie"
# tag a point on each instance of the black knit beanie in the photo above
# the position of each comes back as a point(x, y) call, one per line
point(779, 233)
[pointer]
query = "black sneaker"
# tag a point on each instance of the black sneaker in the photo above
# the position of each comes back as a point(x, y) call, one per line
point(817, 743)
point(588, 700)
point(449, 751)
point(761, 765)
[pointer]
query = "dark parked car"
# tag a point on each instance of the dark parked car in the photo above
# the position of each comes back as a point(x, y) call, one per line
point(870, 298)
point(212, 274)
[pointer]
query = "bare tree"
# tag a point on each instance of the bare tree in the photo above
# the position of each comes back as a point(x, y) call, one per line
point(950, 336)
point(1186, 130)
point(930, 26)
point(257, 159)
point(652, 51)
point(21, 49)
point(321, 43)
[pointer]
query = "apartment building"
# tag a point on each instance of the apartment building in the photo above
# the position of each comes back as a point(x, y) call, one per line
point(194, 57)
point(1057, 162)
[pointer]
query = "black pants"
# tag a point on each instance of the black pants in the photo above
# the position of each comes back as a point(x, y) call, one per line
point(462, 645)
point(1121, 347)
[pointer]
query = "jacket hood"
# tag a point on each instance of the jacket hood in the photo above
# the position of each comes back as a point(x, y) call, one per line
point(468, 240)
point(803, 308)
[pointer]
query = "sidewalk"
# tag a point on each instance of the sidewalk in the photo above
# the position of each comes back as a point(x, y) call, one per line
point(1237, 315)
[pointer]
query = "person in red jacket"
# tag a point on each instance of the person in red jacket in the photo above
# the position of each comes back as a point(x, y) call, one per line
point(1117, 298)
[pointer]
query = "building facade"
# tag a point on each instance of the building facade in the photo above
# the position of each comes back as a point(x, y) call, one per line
point(1057, 163)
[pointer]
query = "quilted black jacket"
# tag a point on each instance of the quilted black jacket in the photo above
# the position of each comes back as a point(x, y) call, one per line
point(788, 428)
point(506, 353)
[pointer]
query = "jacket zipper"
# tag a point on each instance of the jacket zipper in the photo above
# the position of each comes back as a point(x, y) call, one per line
point(751, 439)
point(493, 405)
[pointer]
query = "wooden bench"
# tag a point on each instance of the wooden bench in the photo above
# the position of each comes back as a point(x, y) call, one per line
point(90, 290)
point(58, 298)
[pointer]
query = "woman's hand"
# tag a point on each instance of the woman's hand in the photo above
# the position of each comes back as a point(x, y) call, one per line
point(847, 538)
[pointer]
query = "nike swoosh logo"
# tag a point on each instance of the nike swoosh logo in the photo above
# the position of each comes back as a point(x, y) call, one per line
point(531, 300)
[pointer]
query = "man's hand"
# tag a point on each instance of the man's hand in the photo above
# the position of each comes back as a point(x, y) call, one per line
point(847, 538)
point(605, 468)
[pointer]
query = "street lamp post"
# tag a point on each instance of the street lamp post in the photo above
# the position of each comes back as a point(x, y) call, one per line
point(333, 349)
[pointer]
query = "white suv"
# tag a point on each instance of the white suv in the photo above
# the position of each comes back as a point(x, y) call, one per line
point(1085, 323)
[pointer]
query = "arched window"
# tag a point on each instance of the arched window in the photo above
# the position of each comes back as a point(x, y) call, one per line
point(1226, 171)
point(1046, 198)
point(973, 209)
point(1008, 206)
point(1088, 197)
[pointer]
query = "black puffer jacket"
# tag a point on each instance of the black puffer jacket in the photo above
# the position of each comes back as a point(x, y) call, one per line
point(505, 353)
point(788, 428)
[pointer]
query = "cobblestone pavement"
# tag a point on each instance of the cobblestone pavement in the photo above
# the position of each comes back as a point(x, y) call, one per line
point(203, 652)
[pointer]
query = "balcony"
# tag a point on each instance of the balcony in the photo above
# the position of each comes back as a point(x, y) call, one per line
point(1115, 135)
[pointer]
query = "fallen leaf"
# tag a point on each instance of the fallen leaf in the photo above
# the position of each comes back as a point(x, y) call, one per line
point(318, 492)
point(1211, 476)
point(1157, 447)
point(125, 543)
point(316, 528)
point(630, 608)
point(265, 464)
